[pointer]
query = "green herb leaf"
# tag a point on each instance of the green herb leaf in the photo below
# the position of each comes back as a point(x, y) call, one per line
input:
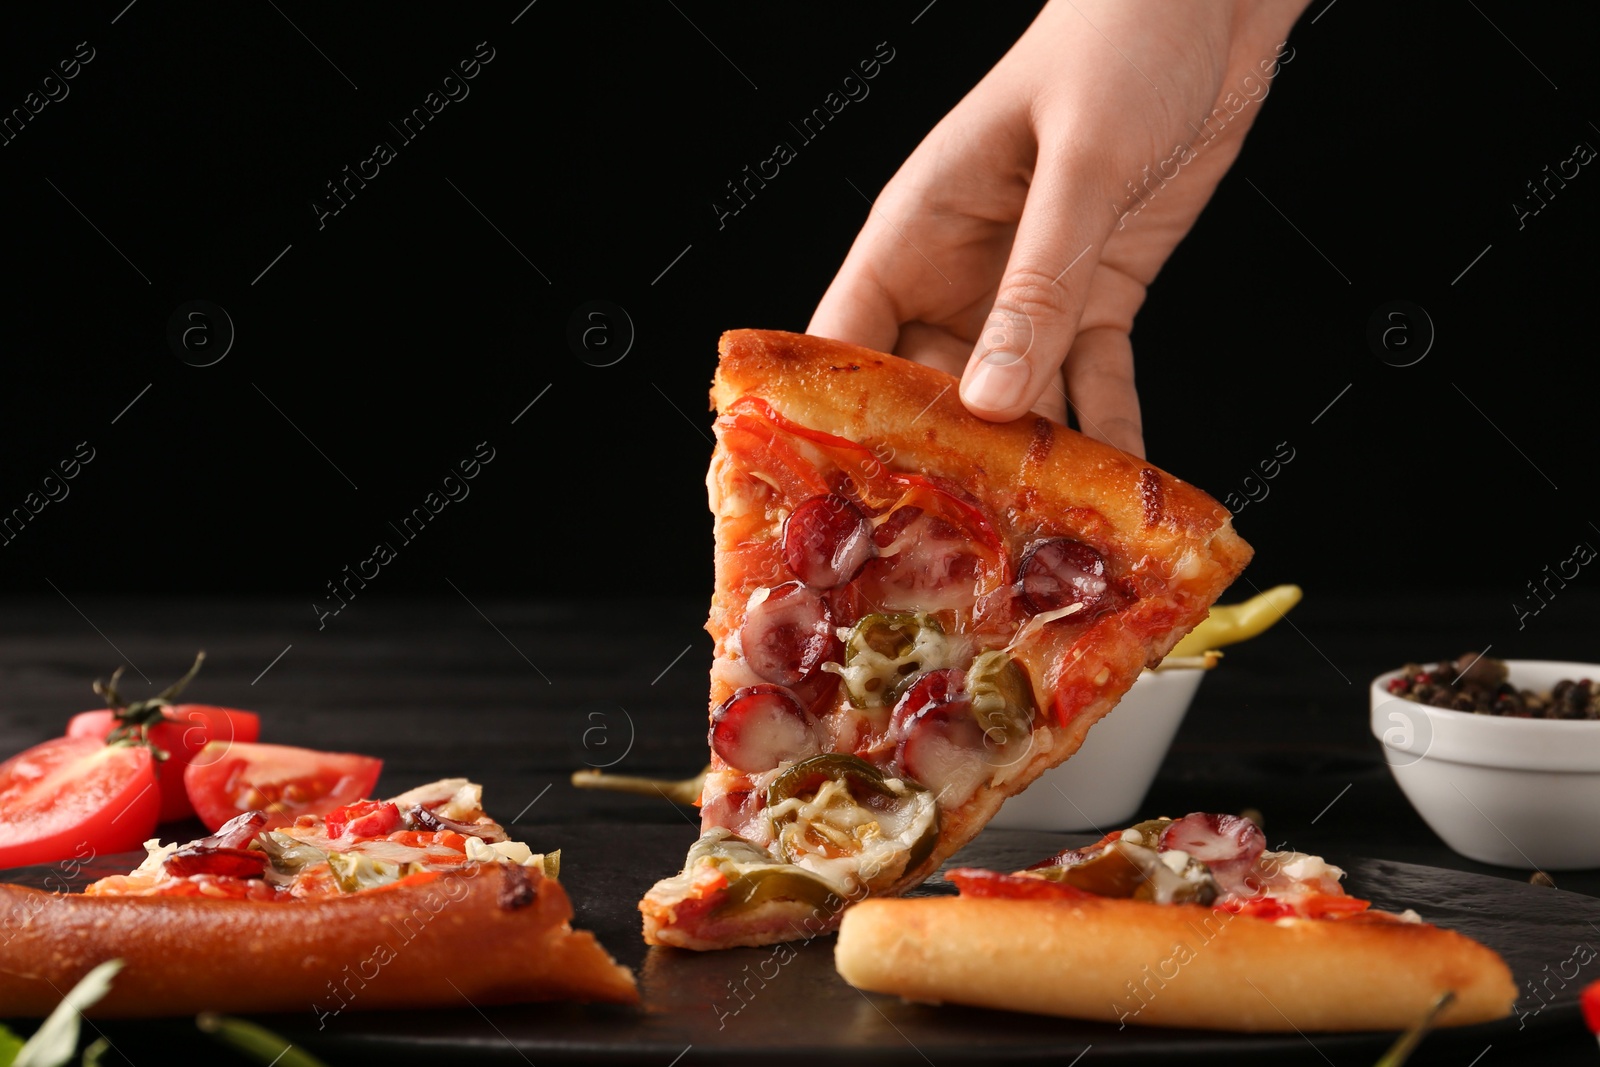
point(54, 1042)
point(10, 1045)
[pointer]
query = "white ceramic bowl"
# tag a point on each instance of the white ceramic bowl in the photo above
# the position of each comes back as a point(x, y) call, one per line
point(1105, 781)
point(1514, 792)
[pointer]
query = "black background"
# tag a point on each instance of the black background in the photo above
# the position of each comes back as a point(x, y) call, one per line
point(379, 350)
point(415, 324)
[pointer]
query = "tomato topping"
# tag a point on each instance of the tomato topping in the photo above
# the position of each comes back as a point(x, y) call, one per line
point(186, 729)
point(975, 882)
point(75, 796)
point(762, 451)
point(868, 476)
point(430, 839)
point(1310, 906)
point(369, 818)
point(280, 780)
point(958, 512)
point(220, 886)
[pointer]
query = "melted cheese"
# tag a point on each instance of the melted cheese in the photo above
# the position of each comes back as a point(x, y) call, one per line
point(513, 852)
point(1039, 622)
point(1008, 762)
point(868, 848)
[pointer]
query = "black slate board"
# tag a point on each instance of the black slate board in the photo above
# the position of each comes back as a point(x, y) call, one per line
point(795, 1009)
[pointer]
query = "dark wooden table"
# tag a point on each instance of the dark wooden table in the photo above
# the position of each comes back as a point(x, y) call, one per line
point(518, 695)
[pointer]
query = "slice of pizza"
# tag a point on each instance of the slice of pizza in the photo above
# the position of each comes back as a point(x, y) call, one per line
point(1187, 922)
point(417, 901)
point(916, 613)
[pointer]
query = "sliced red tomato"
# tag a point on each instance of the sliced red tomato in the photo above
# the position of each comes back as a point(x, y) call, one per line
point(369, 818)
point(285, 782)
point(1308, 906)
point(977, 882)
point(76, 797)
point(760, 449)
point(866, 471)
point(188, 729)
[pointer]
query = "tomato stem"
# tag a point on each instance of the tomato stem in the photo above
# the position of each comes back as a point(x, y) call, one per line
point(134, 720)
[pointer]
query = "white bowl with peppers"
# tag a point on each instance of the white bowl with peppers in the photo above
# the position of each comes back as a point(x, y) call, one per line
point(1501, 758)
point(1106, 780)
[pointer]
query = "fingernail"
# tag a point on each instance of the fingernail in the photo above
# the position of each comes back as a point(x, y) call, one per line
point(999, 382)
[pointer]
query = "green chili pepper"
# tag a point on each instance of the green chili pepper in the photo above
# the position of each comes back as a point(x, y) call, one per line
point(751, 889)
point(1128, 871)
point(806, 777)
point(877, 638)
point(868, 788)
point(255, 1041)
point(1002, 698)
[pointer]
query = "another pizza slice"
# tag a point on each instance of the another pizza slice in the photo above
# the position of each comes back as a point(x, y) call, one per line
point(417, 901)
point(916, 613)
point(1190, 922)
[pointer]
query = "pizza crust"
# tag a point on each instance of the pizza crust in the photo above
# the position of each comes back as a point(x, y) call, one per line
point(864, 396)
point(1130, 962)
point(494, 935)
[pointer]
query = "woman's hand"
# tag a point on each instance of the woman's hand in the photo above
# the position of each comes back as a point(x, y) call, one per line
point(1014, 246)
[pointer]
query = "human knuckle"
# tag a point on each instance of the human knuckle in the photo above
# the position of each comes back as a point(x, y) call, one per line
point(1032, 292)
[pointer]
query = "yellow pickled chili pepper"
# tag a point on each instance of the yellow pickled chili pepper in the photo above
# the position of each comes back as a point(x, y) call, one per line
point(684, 791)
point(1228, 624)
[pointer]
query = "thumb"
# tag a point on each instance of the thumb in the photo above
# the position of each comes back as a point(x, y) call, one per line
point(1034, 320)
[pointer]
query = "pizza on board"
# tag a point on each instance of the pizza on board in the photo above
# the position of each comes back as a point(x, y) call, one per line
point(916, 613)
point(1189, 922)
point(417, 901)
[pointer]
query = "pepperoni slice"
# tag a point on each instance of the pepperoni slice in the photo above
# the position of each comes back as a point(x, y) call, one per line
point(1058, 572)
point(759, 726)
point(936, 551)
point(943, 750)
point(826, 540)
point(1227, 844)
point(931, 689)
point(788, 635)
point(216, 859)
